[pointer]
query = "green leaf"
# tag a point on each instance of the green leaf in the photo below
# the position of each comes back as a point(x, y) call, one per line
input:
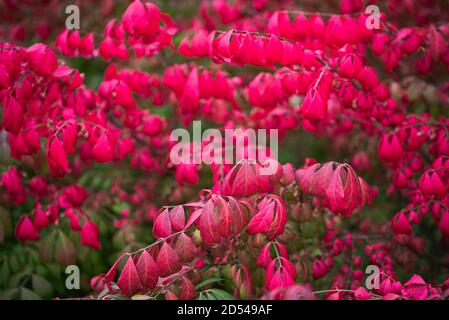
point(4, 271)
point(14, 263)
point(2, 232)
point(65, 252)
point(42, 287)
point(117, 297)
point(316, 252)
point(27, 294)
point(205, 296)
point(215, 294)
point(140, 297)
point(19, 278)
point(221, 294)
point(206, 282)
point(47, 247)
point(9, 294)
point(5, 224)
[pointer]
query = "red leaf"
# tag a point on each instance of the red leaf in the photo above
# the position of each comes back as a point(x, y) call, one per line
point(178, 218)
point(224, 44)
point(148, 271)
point(208, 224)
point(194, 204)
point(162, 227)
point(437, 43)
point(70, 134)
point(193, 217)
point(170, 296)
point(167, 261)
point(344, 193)
point(185, 248)
point(321, 177)
point(224, 215)
point(12, 116)
point(186, 290)
point(102, 150)
point(271, 217)
point(239, 215)
point(110, 275)
point(25, 230)
point(90, 235)
point(243, 180)
point(304, 178)
point(260, 223)
point(269, 252)
point(57, 158)
point(335, 193)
